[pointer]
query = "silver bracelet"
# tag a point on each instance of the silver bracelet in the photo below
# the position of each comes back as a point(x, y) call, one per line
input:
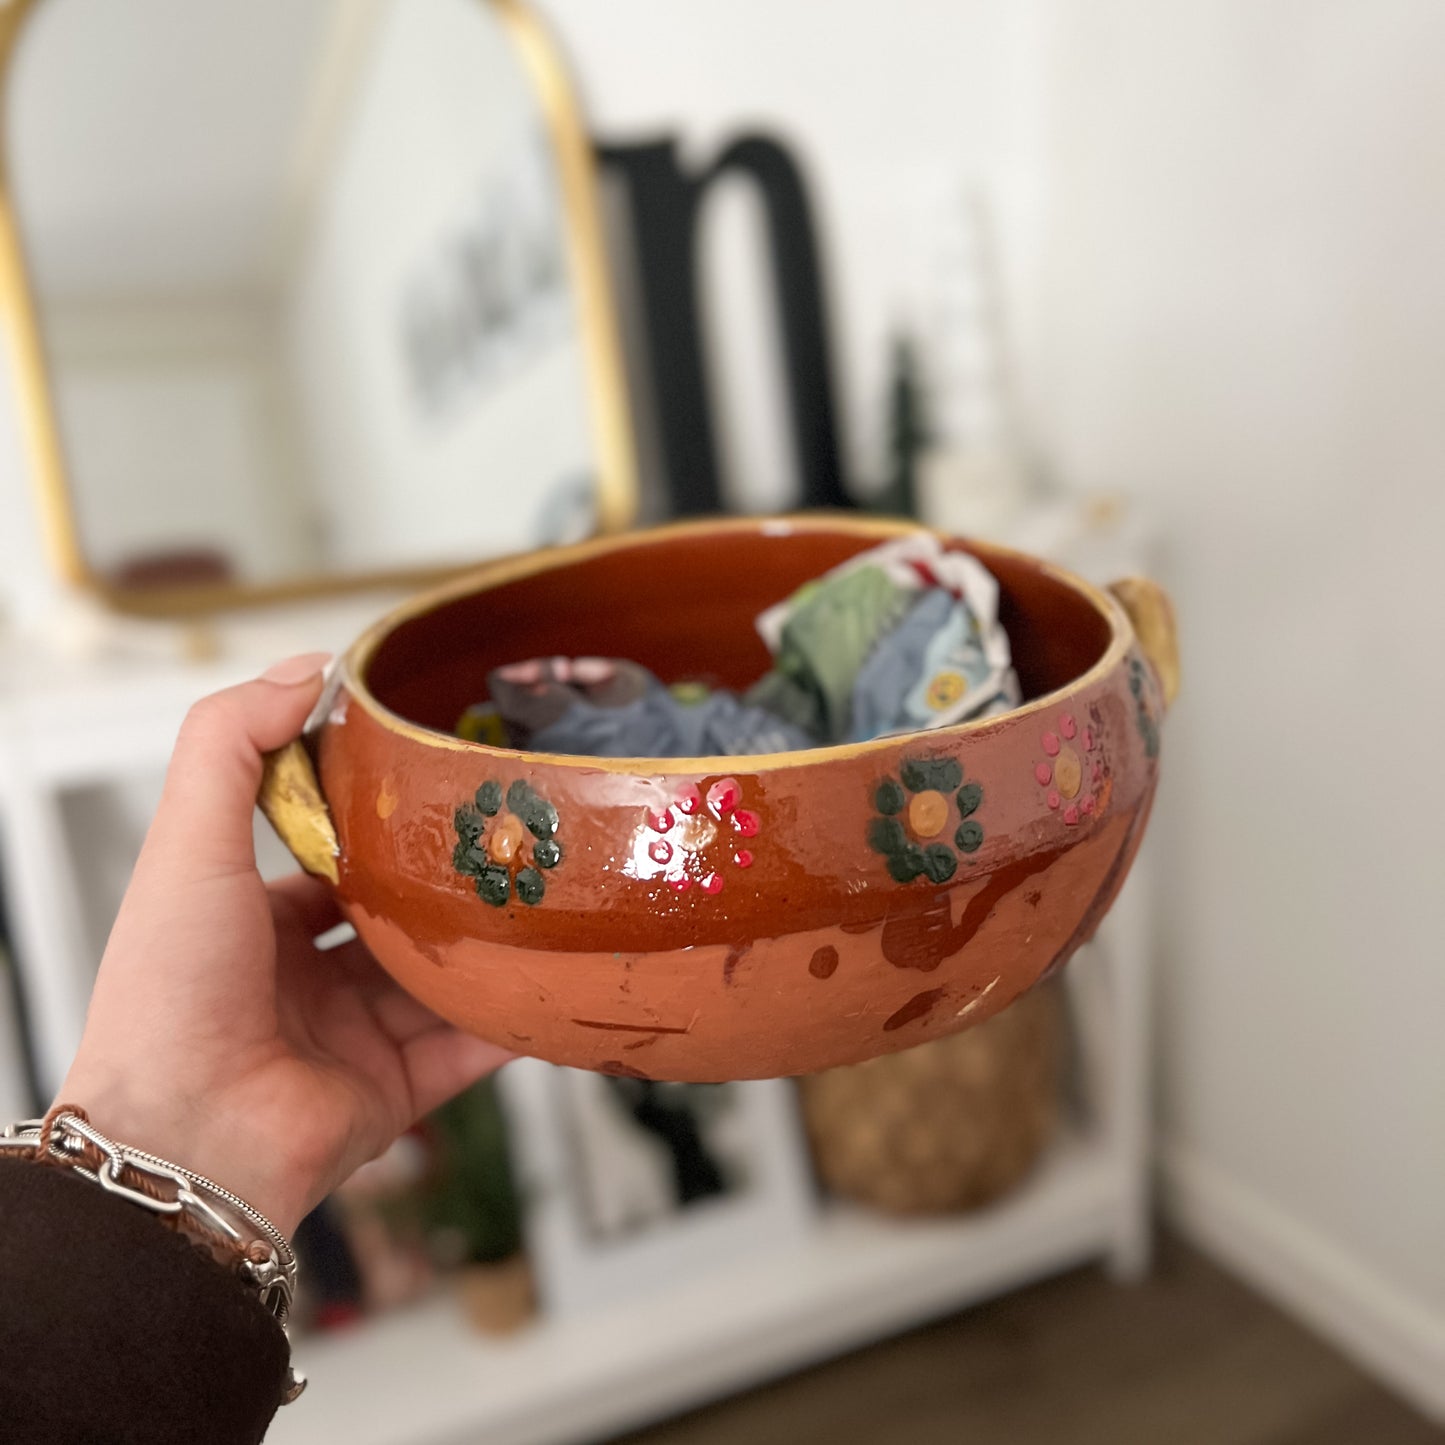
point(268, 1264)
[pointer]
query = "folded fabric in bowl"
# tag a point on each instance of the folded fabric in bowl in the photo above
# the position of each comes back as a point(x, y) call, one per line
point(611, 708)
point(903, 638)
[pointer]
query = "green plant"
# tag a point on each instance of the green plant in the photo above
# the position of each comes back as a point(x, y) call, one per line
point(474, 1199)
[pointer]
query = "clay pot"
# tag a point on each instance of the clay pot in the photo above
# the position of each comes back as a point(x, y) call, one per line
point(724, 918)
point(499, 1298)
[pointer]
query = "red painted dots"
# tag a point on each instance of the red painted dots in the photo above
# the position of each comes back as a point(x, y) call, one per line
point(697, 853)
point(745, 823)
point(1063, 772)
point(724, 796)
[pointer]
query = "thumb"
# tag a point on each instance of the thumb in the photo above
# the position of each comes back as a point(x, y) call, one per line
point(203, 826)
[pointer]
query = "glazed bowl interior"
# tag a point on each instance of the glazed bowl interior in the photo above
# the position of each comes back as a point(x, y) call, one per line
point(684, 604)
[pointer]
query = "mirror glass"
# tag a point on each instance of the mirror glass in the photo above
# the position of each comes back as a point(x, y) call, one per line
point(302, 279)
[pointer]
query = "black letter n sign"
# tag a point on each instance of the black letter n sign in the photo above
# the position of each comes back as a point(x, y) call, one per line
point(665, 204)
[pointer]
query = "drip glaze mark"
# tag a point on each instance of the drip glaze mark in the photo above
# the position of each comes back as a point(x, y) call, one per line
point(431, 952)
point(631, 1028)
point(824, 963)
point(923, 938)
point(919, 938)
point(916, 1008)
point(735, 956)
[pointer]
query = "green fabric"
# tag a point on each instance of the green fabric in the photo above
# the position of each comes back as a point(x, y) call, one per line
point(832, 626)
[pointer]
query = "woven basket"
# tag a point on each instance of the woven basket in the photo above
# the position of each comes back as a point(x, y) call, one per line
point(949, 1125)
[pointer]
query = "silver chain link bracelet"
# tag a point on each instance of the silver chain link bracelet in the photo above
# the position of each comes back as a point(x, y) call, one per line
point(268, 1264)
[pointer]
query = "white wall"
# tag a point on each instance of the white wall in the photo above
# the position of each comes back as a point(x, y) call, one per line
point(901, 115)
point(1244, 303)
point(1225, 226)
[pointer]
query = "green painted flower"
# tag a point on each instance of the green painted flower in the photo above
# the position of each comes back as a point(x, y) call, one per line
point(1143, 717)
point(506, 843)
point(914, 814)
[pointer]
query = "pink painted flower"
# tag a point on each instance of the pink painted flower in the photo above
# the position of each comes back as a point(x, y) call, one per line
point(696, 849)
point(1070, 778)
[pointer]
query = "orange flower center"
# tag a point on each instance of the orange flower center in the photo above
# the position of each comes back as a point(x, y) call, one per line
point(505, 838)
point(927, 813)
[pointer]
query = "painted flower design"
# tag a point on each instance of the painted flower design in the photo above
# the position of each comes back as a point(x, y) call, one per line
point(1072, 772)
point(697, 839)
point(507, 843)
point(925, 819)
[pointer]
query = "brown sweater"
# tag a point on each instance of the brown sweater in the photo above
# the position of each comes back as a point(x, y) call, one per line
point(114, 1329)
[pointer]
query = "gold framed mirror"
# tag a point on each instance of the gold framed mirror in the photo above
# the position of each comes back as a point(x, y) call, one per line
point(302, 295)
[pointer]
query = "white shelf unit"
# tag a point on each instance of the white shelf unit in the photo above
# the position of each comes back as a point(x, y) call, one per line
point(422, 1378)
point(73, 717)
point(14, 1100)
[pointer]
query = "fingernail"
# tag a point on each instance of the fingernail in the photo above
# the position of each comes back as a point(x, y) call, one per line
point(295, 670)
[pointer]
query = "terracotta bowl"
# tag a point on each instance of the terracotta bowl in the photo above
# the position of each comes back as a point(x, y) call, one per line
point(724, 918)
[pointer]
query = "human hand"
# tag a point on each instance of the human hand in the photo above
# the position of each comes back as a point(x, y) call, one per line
point(219, 1037)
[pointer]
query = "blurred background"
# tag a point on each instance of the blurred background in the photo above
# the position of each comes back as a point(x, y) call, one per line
point(318, 299)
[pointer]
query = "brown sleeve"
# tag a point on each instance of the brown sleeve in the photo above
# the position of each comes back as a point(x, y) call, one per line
point(113, 1328)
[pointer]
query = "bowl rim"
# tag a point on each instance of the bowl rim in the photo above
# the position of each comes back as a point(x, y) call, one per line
point(351, 672)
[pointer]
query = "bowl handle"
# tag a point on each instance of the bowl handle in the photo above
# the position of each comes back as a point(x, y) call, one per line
point(1152, 615)
point(291, 799)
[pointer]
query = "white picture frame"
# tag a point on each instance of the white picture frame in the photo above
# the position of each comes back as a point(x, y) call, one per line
point(588, 1178)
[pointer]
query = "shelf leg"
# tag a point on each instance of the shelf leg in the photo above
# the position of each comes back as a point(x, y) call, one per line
point(1126, 938)
point(44, 903)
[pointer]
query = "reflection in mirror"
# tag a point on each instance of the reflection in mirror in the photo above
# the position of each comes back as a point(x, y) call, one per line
point(301, 270)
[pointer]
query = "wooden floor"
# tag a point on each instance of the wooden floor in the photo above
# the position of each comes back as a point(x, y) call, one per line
point(1189, 1358)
